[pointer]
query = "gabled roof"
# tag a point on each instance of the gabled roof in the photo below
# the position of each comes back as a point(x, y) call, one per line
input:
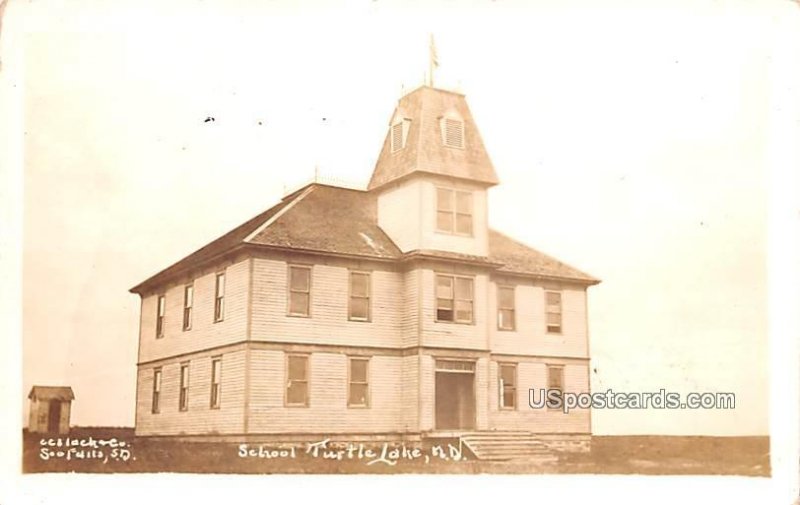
point(424, 151)
point(332, 220)
point(51, 393)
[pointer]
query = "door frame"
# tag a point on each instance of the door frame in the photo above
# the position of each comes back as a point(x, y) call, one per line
point(470, 367)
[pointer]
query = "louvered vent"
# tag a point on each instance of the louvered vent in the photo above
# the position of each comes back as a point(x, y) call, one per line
point(453, 133)
point(397, 136)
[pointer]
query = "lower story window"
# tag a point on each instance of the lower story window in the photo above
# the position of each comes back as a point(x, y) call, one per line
point(216, 375)
point(555, 382)
point(297, 380)
point(508, 385)
point(156, 390)
point(358, 387)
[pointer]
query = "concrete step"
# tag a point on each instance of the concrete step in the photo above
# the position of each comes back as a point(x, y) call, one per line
point(506, 446)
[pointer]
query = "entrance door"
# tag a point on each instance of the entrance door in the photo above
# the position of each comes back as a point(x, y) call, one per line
point(54, 416)
point(455, 401)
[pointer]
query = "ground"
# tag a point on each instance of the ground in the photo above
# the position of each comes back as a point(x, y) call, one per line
point(110, 450)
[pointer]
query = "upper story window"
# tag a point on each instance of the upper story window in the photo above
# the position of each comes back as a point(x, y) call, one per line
point(299, 290)
point(161, 309)
point(454, 211)
point(188, 302)
point(156, 391)
point(507, 375)
point(216, 380)
point(454, 297)
point(555, 382)
point(505, 307)
point(399, 133)
point(359, 296)
point(553, 311)
point(452, 127)
point(358, 383)
point(183, 397)
point(297, 380)
point(219, 298)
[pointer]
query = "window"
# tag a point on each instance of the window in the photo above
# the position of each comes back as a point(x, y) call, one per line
point(299, 290)
point(160, 311)
point(508, 385)
point(553, 311)
point(183, 397)
point(219, 298)
point(188, 301)
point(216, 372)
point(555, 382)
point(453, 299)
point(505, 307)
point(156, 390)
point(454, 211)
point(359, 296)
point(358, 387)
point(297, 380)
point(452, 132)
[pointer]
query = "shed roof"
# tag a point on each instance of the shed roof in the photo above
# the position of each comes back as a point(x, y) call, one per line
point(327, 219)
point(63, 393)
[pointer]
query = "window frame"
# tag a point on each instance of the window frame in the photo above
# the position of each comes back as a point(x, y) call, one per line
point(502, 386)
point(454, 213)
point(454, 299)
point(351, 296)
point(161, 315)
point(560, 312)
point(183, 391)
point(290, 290)
point(188, 306)
point(155, 399)
point(513, 309)
point(215, 400)
point(286, 382)
point(560, 369)
point(350, 382)
point(219, 300)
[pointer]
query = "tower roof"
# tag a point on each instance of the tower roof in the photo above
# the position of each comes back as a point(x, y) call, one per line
point(424, 149)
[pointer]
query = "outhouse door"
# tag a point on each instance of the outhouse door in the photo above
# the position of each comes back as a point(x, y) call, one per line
point(54, 416)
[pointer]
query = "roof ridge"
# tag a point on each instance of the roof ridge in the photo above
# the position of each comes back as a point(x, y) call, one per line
point(266, 224)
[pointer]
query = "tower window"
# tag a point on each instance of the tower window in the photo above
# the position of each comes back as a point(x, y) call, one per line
point(453, 132)
point(453, 211)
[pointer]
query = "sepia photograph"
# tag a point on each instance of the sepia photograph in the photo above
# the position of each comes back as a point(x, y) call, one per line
point(432, 240)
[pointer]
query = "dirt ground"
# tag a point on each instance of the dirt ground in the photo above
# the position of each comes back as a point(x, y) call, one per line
point(112, 450)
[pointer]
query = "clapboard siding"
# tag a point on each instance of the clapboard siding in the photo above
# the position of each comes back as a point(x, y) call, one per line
point(328, 323)
point(482, 393)
point(530, 335)
point(454, 335)
point(410, 333)
point(410, 392)
point(427, 392)
point(399, 214)
point(205, 333)
point(327, 412)
point(533, 374)
point(200, 418)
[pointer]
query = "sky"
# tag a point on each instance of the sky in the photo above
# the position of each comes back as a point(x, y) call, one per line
point(630, 142)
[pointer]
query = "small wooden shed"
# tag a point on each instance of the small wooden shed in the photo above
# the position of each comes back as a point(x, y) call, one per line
point(50, 409)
